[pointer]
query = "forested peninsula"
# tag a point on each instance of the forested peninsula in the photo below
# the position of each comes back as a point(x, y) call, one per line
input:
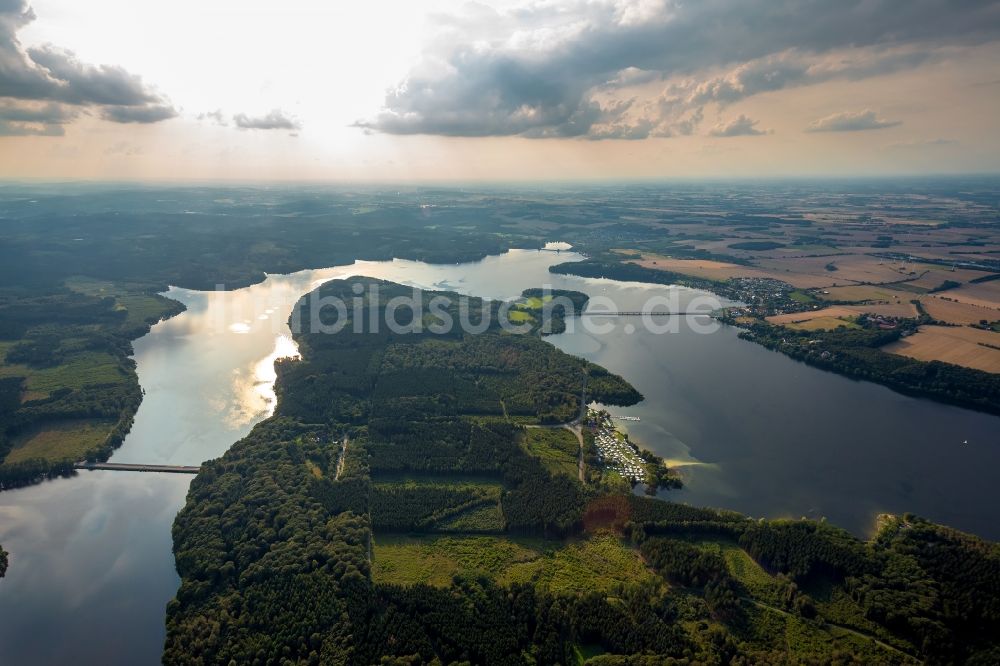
point(77, 287)
point(397, 509)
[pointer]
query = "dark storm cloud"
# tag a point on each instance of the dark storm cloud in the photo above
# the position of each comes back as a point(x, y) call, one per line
point(71, 81)
point(851, 121)
point(534, 71)
point(49, 74)
point(33, 119)
point(36, 113)
point(276, 119)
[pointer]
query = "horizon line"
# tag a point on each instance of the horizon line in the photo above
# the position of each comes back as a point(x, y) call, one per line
point(455, 182)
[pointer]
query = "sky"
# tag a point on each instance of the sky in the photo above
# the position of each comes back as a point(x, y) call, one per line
point(512, 90)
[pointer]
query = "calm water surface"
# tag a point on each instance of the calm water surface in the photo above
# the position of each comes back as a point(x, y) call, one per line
point(91, 565)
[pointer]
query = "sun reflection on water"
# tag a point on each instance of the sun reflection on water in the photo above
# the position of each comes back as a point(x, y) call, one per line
point(253, 388)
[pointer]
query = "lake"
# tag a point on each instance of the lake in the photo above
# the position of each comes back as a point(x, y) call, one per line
point(91, 566)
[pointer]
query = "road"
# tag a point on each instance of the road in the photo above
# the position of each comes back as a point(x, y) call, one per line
point(340, 460)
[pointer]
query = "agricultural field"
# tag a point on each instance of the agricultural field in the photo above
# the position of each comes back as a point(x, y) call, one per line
point(60, 440)
point(842, 314)
point(701, 268)
point(848, 269)
point(985, 294)
point(934, 276)
point(820, 271)
point(556, 447)
point(830, 317)
point(902, 308)
point(824, 324)
point(864, 292)
point(83, 369)
point(943, 308)
point(961, 345)
point(720, 271)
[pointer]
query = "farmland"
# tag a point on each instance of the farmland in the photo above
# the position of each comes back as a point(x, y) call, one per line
point(863, 292)
point(985, 294)
point(945, 308)
point(84, 369)
point(70, 439)
point(826, 318)
point(968, 347)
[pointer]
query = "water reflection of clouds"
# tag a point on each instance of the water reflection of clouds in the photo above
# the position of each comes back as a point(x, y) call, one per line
point(253, 389)
point(87, 553)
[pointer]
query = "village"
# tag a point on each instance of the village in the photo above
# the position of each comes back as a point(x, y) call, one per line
point(614, 451)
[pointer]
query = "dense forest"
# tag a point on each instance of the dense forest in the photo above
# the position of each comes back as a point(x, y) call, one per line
point(423, 434)
point(3, 562)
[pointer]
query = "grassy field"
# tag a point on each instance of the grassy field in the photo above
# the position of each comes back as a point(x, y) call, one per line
point(598, 563)
point(758, 582)
point(60, 440)
point(488, 518)
point(864, 292)
point(534, 302)
point(434, 560)
point(823, 323)
point(83, 369)
point(744, 569)
point(802, 297)
point(557, 449)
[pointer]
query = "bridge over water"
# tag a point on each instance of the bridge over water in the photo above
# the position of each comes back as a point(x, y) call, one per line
point(132, 467)
point(640, 313)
